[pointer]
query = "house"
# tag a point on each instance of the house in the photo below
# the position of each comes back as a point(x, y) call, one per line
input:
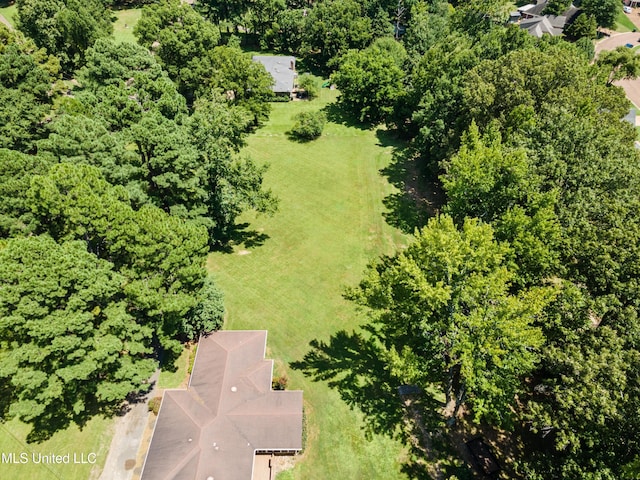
point(538, 24)
point(282, 69)
point(227, 417)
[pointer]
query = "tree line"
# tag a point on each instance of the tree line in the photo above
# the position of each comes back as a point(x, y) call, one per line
point(519, 302)
point(120, 168)
point(119, 171)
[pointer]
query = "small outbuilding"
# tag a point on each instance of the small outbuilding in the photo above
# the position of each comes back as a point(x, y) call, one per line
point(283, 70)
point(226, 416)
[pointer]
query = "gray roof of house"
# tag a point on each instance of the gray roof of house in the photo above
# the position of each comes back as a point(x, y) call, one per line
point(538, 26)
point(541, 24)
point(229, 411)
point(280, 69)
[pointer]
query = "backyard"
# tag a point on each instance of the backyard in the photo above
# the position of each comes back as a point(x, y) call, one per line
point(287, 273)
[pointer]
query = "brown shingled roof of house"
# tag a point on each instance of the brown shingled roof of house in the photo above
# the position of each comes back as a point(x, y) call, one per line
point(228, 412)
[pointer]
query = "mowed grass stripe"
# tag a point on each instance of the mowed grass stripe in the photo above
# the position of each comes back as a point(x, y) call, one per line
point(329, 226)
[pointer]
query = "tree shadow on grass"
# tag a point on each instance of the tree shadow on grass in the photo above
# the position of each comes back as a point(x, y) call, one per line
point(240, 234)
point(419, 195)
point(337, 114)
point(354, 364)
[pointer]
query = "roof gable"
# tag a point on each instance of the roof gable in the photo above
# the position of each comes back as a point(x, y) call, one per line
point(229, 411)
point(282, 68)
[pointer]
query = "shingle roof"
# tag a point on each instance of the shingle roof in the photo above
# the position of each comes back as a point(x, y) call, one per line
point(229, 411)
point(282, 69)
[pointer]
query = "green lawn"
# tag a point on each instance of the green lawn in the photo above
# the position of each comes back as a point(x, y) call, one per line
point(8, 11)
point(290, 274)
point(125, 21)
point(175, 379)
point(623, 23)
point(95, 438)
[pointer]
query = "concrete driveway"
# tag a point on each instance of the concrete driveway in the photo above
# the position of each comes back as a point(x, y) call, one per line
point(123, 461)
point(631, 87)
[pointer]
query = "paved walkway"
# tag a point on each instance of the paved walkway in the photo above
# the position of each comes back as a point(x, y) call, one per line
point(122, 461)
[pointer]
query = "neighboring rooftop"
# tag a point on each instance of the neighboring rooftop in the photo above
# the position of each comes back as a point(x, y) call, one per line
point(282, 69)
point(214, 428)
point(537, 24)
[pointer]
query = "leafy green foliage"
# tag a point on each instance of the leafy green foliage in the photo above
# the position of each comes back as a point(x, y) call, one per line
point(245, 83)
point(556, 7)
point(16, 170)
point(499, 186)
point(26, 77)
point(335, 26)
point(182, 40)
point(65, 28)
point(444, 306)
point(182, 34)
point(311, 84)
point(604, 11)
point(159, 255)
point(584, 26)
point(622, 63)
point(288, 32)
point(208, 315)
point(556, 173)
point(134, 128)
point(308, 125)
point(70, 348)
point(429, 23)
point(371, 80)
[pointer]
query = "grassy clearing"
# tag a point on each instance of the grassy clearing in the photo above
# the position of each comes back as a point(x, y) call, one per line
point(623, 23)
point(8, 12)
point(125, 21)
point(94, 438)
point(177, 378)
point(289, 272)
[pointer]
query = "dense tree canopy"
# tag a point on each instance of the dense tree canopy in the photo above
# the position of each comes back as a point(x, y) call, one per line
point(182, 40)
point(161, 256)
point(69, 346)
point(16, 171)
point(604, 11)
point(444, 305)
point(65, 28)
point(335, 26)
point(131, 122)
point(370, 80)
point(27, 76)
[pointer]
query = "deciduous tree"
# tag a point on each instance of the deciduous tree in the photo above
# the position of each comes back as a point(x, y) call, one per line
point(335, 26)
point(444, 305)
point(371, 80)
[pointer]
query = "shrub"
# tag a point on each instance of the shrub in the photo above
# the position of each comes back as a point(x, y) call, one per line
point(280, 383)
point(310, 84)
point(308, 125)
point(154, 405)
